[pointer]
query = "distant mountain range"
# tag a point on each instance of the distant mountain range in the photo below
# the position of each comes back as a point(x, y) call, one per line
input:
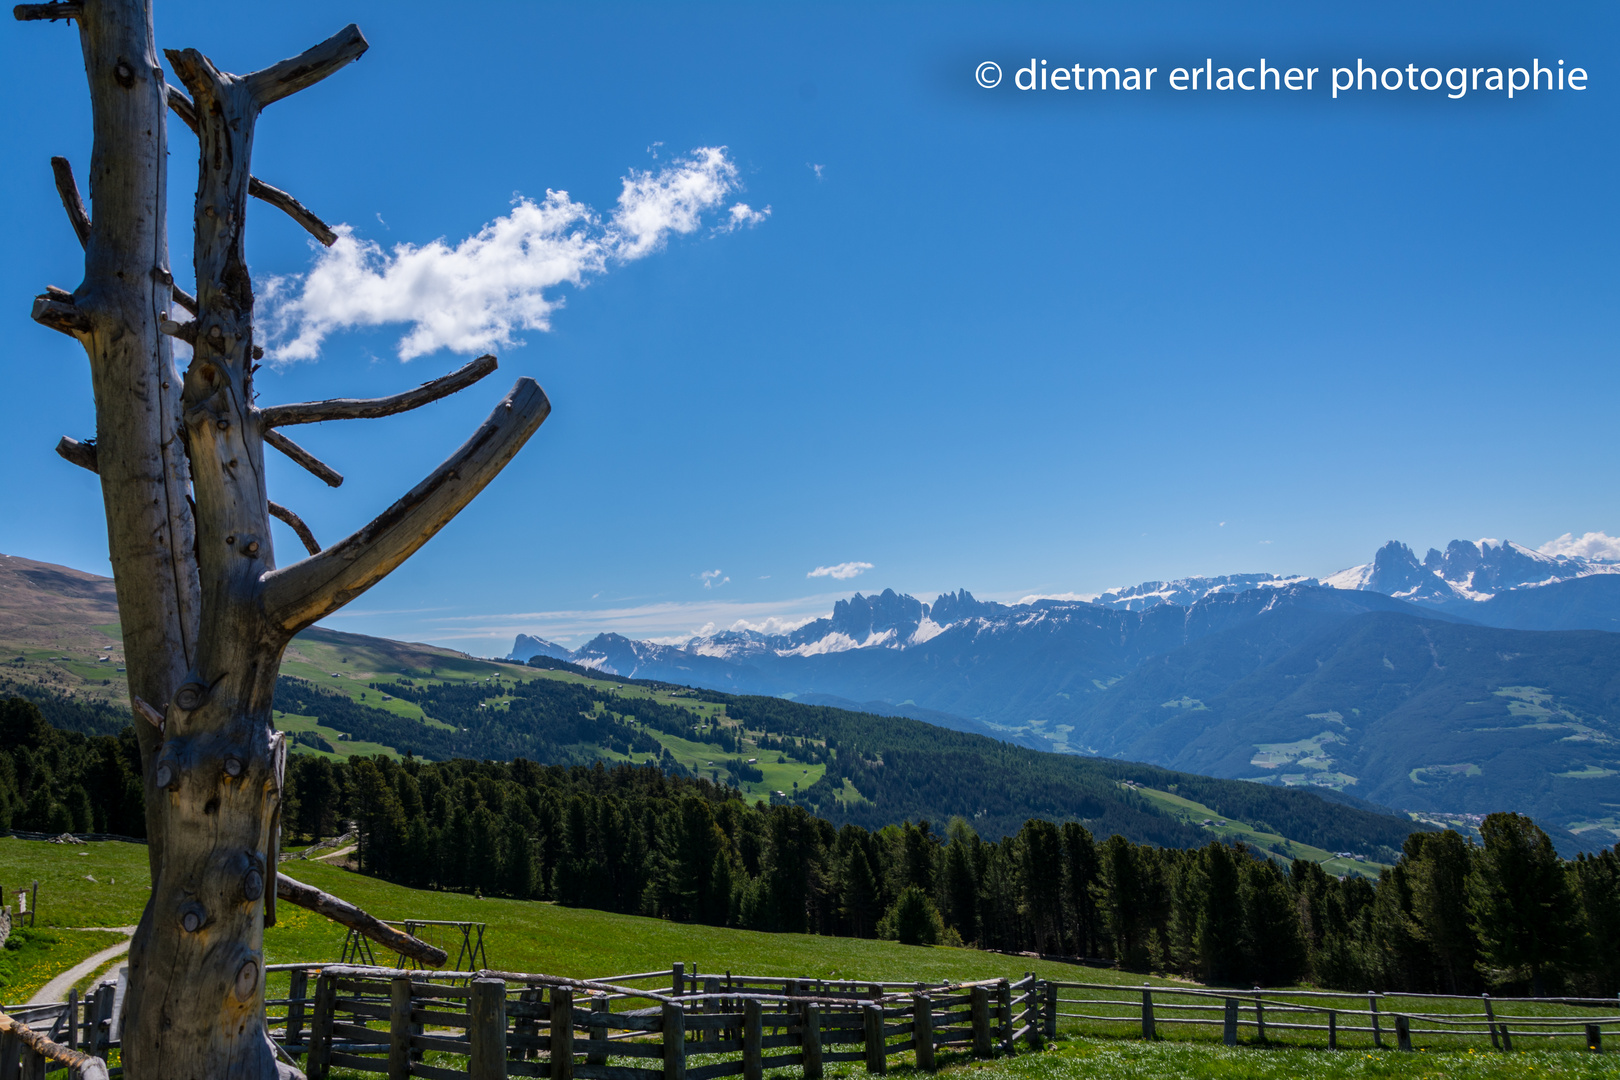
point(1469, 681)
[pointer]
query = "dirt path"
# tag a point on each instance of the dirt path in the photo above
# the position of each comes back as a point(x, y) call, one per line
point(57, 989)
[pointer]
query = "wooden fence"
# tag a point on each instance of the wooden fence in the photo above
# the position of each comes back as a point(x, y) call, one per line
point(678, 1024)
point(1310, 1017)
point(698, 1028)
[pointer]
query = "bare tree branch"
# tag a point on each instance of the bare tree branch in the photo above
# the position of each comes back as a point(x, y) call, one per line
point(294, 209)
point(313, 412)
point(346, 914)
point(182, 106)
point(68, 189)
point(52, 11)
point(50, 309)
point(148, 713)
point(309, 67)
point(298, 595)
point(82, 454)
point(184, 299)
point(308, 460)
point(281, 513)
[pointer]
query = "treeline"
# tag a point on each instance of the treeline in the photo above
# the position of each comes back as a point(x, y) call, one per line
point(1450, 916)
point(59, 781)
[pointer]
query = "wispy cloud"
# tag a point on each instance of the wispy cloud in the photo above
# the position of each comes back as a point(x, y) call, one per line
point(1065, 596)
point(478, 294)
point(841, 571)
point(713, 579)
point(1592, 545)
point(668, 622)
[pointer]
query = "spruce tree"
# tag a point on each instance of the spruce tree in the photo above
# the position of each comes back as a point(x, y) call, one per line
point(1520, 901)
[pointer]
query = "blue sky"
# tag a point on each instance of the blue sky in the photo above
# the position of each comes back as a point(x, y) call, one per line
point(1012, 342)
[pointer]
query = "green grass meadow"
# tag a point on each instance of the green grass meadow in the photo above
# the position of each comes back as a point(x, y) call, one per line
point(543, 937)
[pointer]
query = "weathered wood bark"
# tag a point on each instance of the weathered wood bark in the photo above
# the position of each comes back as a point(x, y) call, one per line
point(206, 615)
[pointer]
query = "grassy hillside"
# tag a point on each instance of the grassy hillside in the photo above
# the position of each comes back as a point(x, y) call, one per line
point(520, 935)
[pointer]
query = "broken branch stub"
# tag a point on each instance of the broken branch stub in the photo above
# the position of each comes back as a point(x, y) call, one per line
point(297, 595)
point(314, 412)
point(82, 454)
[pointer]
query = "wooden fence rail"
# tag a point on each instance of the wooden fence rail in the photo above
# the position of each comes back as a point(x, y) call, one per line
point(1105, 1006)
point(28, 1054)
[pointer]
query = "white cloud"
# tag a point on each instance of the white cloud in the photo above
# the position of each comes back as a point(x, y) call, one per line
point(713, 579)
point(1592, 545)
point(1069, 597)
point(744, 216)
point(842, 571)
point(476, 295)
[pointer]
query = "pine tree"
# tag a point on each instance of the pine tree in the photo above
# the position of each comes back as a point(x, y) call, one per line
point(1520, 901)
point(1440, 862)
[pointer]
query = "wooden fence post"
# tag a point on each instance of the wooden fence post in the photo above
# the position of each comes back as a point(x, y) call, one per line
point(1490, 1022)
point(1378, 1034)
point(1005, 1001)
point(72, 1017)
point(598, 1031)
point(1403, 1032)
point(1333, 1030)
point(810, 1039)
point(319, 1061)
point(1051, 1010)
point(1507, 1037)
point(298, 990)
point(101, 1039)
point(1594, 1038)
point(922, 1030)
point(1148, 1030)
point(674, 1041)
point(1229, 1029)
point(876, 1060)
point(486, 1032)
point(1259, 1017)
point(527, 1024)
point(1032, 1012)
point(677, 983)
point(87, 1023)
point(399, 1028)
point(979, 1004)
point(562, 1033)
point(711, 1004)
point(10, 1054)
point(33, 1064)
point(753, 1035)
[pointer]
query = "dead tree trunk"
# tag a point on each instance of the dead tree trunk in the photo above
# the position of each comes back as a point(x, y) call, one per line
point(206, 613)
